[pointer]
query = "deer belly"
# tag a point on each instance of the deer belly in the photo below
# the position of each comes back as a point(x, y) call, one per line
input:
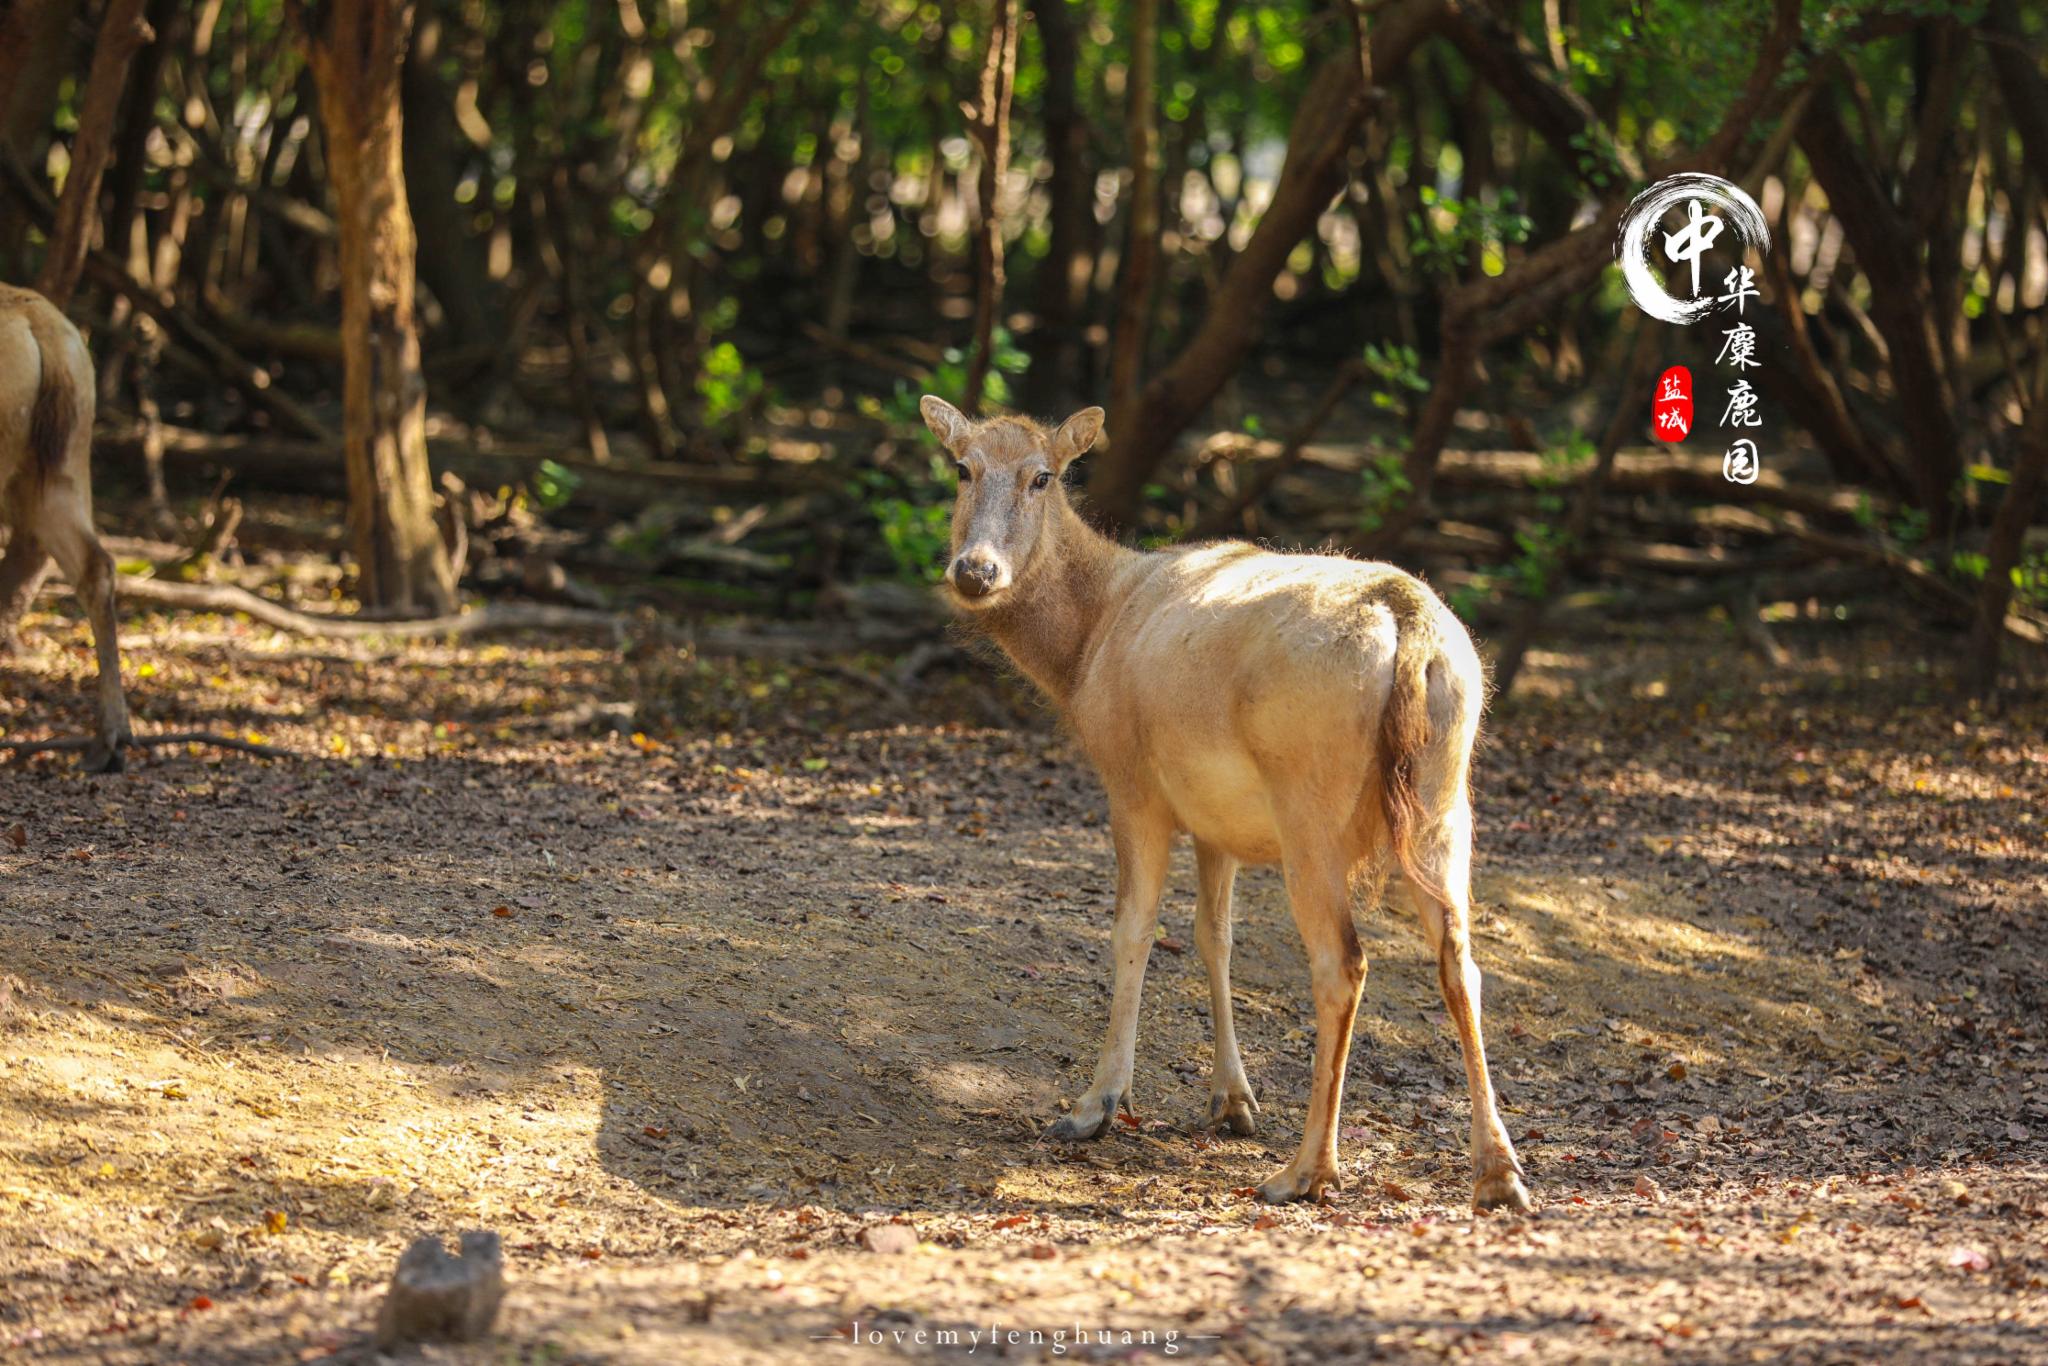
point(1218, 797)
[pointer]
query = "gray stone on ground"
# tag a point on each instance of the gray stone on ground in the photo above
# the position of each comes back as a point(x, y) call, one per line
point(888, 1238)
point(436, 1296)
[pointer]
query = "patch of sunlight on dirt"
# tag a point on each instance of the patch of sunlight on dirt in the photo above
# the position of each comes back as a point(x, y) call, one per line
point(320, 1154)
point(724, 1024)
point(1551, 674)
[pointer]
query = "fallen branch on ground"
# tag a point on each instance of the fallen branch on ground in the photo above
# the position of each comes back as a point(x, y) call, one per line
point(1633, 472)
point(211, 597)
point(1912, 571)
point(23, 749)
point(766, 642)
point(1227, 517)
point(300, 466)
point(869, 356)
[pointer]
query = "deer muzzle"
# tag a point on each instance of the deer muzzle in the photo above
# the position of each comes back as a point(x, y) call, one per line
point(976, 574)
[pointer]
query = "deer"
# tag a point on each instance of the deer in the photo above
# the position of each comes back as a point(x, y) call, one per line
point(1305, 710)
point(46, 412)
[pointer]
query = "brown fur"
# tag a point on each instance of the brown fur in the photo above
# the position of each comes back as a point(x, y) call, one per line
point(46, 408)
point(49, 423)
point(61, 413)
point(1301, 710)
point(1404, 720)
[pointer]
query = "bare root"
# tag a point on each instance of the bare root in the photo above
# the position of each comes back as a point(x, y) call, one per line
point(103, 758)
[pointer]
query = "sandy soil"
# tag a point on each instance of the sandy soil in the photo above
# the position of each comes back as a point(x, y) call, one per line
point(684, 1016)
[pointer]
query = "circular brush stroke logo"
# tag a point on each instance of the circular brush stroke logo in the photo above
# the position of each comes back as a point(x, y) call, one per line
point(1640, 223)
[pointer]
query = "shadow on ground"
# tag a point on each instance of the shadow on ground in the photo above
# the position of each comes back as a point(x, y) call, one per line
point(682, 1008)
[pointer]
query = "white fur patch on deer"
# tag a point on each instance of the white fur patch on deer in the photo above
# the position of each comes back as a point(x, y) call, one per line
point(1308, 711)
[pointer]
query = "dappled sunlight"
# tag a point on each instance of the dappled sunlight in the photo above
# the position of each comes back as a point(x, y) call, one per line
point(569, 703)
point(734, 996)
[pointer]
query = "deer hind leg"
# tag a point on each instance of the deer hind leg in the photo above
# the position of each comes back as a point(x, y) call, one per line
point(1143, 838)
point(1444, 855)
point(1317, 888)
point(1231, 1103)
point(21, 575)
point(66, 528)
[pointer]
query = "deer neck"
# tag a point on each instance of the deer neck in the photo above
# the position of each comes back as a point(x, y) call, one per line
point(1057, 608)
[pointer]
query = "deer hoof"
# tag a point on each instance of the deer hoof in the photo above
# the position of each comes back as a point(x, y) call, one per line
point(1233, 1113)
point(1502, 1190)
point(1295, 1185)
point(1077, 1127)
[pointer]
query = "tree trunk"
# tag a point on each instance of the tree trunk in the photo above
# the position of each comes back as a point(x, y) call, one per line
point(2002, 551)
point(1054, 377)
point(450, 263)
point(1485, 309)
point(138, 121)
point(1628, 415)
point(1508, 63)
point(1902, 304)
point(2025, 97)
point(1325, 128)
point(989, 122)
point(1141, 230)
point(1811, 394)
point(122, 34)
point(357, 54)
point(2019, 76)
point(35, 41)
point(557, 228)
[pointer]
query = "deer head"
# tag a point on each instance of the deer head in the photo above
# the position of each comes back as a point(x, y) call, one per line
point(1009, 493)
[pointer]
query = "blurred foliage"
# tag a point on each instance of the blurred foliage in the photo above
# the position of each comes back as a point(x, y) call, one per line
point(753, 186)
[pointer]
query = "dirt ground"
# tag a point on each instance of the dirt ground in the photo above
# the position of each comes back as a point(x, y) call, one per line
point(685, 1015)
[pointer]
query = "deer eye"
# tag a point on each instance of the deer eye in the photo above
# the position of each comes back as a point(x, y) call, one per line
point(1043, 479)
point(960, 468)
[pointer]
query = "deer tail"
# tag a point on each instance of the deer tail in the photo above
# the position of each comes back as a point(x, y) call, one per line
point(59, 409)
point(1404, 721)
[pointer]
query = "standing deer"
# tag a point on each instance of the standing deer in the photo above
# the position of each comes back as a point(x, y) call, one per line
point(1305, 710)
point(46, 403)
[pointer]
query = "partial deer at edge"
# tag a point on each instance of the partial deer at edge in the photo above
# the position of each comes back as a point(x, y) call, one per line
point(46, 410)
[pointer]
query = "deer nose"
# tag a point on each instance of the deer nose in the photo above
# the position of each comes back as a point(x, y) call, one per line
point(974, 575)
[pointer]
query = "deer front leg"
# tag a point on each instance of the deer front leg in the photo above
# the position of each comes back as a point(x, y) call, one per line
point(1318, 891)
point(1231, 1103)
point(1143, 837)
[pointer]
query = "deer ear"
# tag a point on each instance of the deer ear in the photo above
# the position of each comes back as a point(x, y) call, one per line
point(948, 424)
point(1076, 435)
